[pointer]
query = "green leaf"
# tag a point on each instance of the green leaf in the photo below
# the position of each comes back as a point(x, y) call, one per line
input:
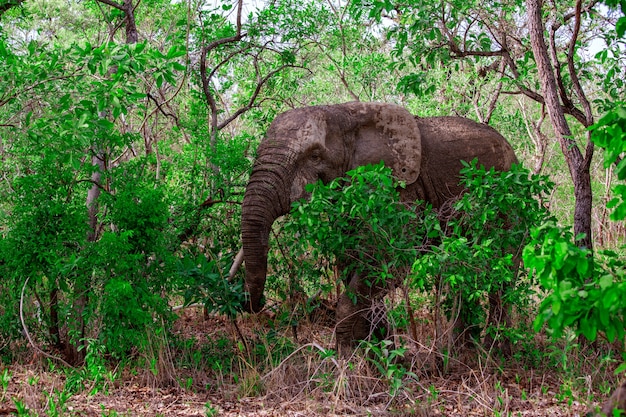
point(159, 79)
point(582, 266)
point(561, 250)
point(621, 169)
point(139, 47)
point(610, 331)
point(588, 328)
point(619, 213)
point(620, 26)
point(175, 51)
point(610, 297)
point(179, 67)
point(605, 282)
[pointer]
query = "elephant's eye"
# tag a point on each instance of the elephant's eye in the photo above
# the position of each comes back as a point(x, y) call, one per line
point(316, 157)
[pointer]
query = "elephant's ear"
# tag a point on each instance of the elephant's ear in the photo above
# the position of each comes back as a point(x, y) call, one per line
point(389, 133)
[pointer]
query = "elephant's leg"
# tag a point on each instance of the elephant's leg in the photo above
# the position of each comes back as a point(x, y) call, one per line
point(352, 323)
point(498, 317)
point(499, 312)
point(380, 328)
point(353, 314)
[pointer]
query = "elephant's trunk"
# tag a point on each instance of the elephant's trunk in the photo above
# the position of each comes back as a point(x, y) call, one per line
point(266, 198)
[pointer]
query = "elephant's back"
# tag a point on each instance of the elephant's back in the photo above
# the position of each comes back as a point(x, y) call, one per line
point(448, 140)
point(453, 139)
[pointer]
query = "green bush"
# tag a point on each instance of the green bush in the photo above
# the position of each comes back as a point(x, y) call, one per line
point(358, 222)
point(112, 287)
point(480, 249)
point(584, 290)
point(132, 266)
point(44, 229)
point(610, 133)
point(206, 281)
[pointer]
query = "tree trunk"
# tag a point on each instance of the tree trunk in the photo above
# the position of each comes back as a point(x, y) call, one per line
point(75, 349)
point(73, 352)
point(577, 163)
point(93, 194)
point(132, 35)
point(127, 7)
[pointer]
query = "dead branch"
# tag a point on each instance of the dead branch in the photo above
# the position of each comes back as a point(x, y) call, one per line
point(27, 333)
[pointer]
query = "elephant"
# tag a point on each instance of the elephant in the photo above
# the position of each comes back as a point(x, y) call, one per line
point(323, 142)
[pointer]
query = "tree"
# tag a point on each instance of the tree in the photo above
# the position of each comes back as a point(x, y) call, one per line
point(577, 163)
point(264, 52)
point(68, 99)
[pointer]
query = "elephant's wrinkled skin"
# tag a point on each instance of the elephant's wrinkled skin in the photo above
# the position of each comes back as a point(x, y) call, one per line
point(324, 142)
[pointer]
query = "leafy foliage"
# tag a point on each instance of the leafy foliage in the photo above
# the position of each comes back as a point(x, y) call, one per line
point(111, 285)
point(479, 251)
point(359, 223)
point(206, 281)
point(385, 358)
point(610, 134)
point(585, 291)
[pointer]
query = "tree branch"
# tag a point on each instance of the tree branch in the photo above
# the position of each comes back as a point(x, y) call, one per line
point(568, 107)
point(159, 107)
point(572, 69)
point(113, 4)
point(342, 75)
point(496, 96)
point(340, 68)
point(206, 80)
point(4, 101)
point(573, 14)
point(228, 58)
point(254, 96)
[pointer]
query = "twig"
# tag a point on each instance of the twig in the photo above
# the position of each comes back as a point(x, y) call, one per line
point(233, 320)
point(313, 344)
point(30, 340)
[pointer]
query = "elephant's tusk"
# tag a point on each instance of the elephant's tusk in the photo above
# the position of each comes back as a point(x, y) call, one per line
point(236, 264)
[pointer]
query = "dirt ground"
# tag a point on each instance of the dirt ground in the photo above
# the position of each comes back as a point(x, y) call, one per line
point(304, 384)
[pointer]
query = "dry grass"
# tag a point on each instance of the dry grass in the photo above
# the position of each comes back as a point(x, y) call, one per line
point(307, 381)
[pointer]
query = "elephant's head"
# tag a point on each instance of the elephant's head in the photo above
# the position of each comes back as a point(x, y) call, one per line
point(318, 143)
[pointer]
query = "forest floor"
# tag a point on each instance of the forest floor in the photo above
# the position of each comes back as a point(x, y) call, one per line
point(306, 382)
